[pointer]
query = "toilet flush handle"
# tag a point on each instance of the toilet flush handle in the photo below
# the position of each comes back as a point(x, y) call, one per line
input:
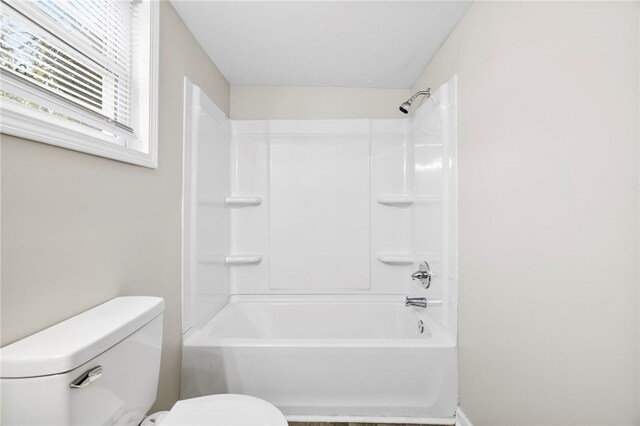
point(89, 376)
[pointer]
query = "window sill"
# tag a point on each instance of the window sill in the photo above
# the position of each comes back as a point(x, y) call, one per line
point(38, 126)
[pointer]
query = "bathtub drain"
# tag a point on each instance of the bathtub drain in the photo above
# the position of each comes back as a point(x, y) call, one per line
point(420, 326)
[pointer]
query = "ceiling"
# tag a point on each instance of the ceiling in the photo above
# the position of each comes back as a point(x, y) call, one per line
point(384, 44)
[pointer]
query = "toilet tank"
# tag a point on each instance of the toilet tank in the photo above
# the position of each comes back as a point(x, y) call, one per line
point(98, 368)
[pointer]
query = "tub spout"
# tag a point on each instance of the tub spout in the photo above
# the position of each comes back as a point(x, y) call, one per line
point(420, 302)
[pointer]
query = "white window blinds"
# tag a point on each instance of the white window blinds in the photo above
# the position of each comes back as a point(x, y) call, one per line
point(79, 50)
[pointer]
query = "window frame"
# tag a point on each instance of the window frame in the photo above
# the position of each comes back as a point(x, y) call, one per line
point(29, 123)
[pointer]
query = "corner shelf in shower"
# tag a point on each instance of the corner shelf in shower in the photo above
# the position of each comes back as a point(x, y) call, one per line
point(243, 259)
point(243, 201)
point(396, 258)
point(396, 200)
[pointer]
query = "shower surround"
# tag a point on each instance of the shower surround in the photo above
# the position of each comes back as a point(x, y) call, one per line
point(300, 238)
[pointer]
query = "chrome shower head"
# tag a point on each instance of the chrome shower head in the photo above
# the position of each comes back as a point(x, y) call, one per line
point(406, 106)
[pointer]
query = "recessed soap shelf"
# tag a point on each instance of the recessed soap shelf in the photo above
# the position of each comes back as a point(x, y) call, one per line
point(243, 259)
point(243, 201)
point(396, 200)
point(396, 259)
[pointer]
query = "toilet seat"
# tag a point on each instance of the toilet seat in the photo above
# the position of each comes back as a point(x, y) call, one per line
point(227, 409)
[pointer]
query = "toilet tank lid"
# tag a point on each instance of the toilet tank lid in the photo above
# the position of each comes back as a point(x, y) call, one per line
point(71, 343)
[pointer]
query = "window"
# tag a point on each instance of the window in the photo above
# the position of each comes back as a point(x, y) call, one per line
point(81, 74)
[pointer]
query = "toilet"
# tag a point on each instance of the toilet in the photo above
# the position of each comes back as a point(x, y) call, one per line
point(101, 367)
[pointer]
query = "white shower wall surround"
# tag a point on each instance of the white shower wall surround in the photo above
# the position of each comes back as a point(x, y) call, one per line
point(349, 206)
point(319, 206)
point(329, 217)
point(205, 234)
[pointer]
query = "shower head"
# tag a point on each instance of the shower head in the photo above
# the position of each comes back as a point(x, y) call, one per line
point(407, 105)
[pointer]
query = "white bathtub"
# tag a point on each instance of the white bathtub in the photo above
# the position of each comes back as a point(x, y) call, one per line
point(340, 358)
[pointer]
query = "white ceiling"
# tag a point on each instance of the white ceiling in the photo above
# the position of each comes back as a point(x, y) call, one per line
point(384, 44)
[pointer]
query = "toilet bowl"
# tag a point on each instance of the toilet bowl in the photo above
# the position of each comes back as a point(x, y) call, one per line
point(101, 367)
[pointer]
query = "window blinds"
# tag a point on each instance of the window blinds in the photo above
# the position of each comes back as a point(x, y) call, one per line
point(79, 50)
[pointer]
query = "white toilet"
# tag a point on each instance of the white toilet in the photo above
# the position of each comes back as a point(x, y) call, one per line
point(101, 368)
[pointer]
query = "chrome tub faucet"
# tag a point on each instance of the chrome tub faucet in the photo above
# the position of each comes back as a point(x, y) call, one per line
point(419, 302)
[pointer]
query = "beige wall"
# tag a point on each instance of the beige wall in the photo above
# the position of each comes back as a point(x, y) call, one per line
point(79, 230)
point(548, 210)
point(299, 103)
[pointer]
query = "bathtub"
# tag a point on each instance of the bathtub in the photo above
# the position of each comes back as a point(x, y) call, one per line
point(327, 358)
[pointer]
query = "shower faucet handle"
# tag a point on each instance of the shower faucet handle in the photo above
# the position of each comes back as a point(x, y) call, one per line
point(423, 274)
